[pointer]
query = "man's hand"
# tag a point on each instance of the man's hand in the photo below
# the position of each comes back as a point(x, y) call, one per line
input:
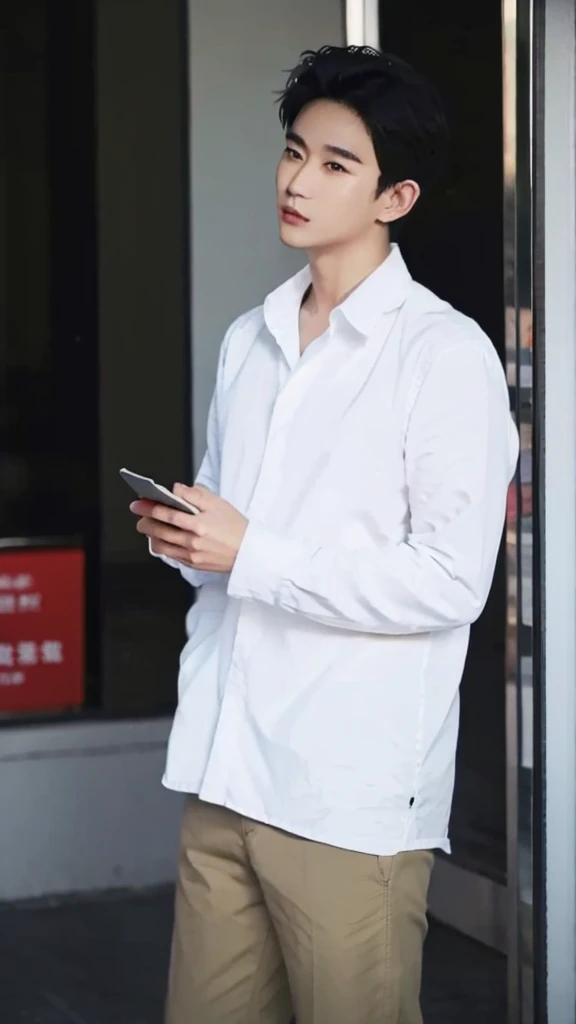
point(208, 541)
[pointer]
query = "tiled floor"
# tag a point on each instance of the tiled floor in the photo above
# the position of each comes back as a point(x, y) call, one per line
point(103, 961)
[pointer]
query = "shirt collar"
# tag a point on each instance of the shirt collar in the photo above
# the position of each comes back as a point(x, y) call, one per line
point(384, 291)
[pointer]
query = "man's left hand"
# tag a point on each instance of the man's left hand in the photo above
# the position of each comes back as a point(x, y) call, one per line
point(209, 541)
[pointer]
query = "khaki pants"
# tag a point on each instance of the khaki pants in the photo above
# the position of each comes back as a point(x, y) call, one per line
point(268, 924)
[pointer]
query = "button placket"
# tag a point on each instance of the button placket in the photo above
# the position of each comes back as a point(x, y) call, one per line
point(285, 408)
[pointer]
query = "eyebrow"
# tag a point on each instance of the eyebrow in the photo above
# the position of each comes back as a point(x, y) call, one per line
point(345, 154)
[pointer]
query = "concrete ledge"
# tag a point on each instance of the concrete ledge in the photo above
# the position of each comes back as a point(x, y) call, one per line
point(83, 808)
point(82, 738)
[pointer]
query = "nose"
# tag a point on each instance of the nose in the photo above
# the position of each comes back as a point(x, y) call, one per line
point(299, 185)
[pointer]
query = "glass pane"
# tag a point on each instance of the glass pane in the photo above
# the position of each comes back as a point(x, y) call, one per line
point(94, 341)
point(48, 360)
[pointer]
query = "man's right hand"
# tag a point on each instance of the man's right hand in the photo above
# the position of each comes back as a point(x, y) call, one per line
point(209, 541)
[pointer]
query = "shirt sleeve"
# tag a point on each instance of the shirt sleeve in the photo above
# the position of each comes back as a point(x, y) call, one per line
point(208, 475)
point(461, 450)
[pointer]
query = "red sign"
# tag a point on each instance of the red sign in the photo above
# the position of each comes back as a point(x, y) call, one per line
point(41, 629)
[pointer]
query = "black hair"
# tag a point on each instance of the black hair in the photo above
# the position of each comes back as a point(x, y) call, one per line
point(401, 111)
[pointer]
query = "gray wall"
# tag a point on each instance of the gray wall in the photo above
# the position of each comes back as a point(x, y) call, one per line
point(239, 52)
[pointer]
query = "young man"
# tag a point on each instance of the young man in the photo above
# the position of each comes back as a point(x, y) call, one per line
point(351, 500)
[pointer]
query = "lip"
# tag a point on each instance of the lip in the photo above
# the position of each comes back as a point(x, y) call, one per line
point(291, 216)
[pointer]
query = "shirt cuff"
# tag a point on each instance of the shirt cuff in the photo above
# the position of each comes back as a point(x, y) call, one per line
point(263, 564)
point(195, 577)
point(169, 561)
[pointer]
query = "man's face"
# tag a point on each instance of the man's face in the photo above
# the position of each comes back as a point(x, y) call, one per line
point(329, 175)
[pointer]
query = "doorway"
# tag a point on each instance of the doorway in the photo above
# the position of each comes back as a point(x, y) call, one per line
point(455, 246)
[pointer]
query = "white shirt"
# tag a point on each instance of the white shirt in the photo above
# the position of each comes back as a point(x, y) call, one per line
point(318, 689)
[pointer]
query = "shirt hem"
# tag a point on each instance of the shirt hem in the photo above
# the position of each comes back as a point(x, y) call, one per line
point(356, 846)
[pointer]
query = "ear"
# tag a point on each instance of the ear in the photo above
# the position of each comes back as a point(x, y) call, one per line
point(397, 201)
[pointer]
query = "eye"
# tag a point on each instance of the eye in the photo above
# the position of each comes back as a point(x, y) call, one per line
point(292, 154)
point(333, 166)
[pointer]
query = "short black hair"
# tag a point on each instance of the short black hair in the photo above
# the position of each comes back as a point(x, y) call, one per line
point(400, 109)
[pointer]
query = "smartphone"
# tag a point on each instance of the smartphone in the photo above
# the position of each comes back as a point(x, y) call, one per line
point(147, 488)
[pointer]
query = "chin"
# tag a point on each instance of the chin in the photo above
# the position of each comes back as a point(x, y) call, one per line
point(290, 236)
point(293, 243)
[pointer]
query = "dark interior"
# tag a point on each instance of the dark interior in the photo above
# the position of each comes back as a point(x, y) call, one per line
point(454, 245)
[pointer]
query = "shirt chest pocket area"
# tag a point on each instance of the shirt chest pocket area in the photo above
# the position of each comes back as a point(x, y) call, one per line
point(359, 497)
point(363, 475)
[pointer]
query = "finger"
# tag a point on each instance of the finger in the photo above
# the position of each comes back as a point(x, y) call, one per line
point(162, 514)
point(168, 534)
point(177, 553)
point(199, 496)
point(142, 507)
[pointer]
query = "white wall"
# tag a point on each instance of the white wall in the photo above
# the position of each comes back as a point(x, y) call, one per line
point(239, 52)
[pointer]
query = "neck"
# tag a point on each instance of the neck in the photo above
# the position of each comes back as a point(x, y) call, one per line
point(336, 273)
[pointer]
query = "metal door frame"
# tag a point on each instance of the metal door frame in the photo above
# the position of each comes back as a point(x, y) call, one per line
point(522, 110)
